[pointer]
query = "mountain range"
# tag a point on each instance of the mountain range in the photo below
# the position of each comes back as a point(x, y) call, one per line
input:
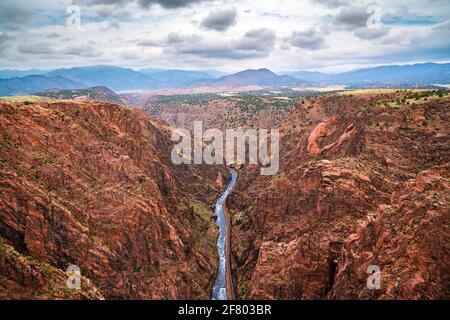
point(115, 78)
point(422, 73)
point(11, 73)
point(175, 78)
point(127, 79)
point(35, 83)
point(259, 77)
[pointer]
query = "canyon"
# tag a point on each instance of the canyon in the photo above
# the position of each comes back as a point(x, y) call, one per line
point(363, 181)
point(92, 184)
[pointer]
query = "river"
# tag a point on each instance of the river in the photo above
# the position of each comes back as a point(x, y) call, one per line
point(220, 285)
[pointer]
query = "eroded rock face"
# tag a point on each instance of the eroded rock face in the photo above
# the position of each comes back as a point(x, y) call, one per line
point(302, 221)
point(409, 241)
point(92, 184)
point(361, 183)
point(24, 277)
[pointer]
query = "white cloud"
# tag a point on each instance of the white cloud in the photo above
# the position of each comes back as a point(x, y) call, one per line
point(278, 34)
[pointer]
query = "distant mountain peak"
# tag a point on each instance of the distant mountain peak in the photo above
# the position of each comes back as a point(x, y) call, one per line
point(35, 83)
point(258, 77)
point(257, 71)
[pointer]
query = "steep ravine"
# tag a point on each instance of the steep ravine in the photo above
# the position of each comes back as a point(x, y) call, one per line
point(364, 180)
point(92, 184)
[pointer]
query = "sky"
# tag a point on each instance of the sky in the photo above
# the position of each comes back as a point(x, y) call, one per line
point(226, 35)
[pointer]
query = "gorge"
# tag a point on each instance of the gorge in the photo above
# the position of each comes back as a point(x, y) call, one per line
point(363, 180)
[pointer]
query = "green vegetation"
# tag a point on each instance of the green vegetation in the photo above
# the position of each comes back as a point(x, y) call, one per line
point(242, 290)
point(205, 229)
point(45, 157)
point(239, 217)
point(407, 100)
point(159, 102)
point(93, 93)
point(50, 161)
point(248, 101)
point(6, 142)
point(425, 94)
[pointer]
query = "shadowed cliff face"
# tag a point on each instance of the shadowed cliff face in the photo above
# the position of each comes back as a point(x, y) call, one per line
point(92, 184)
point(363, 181)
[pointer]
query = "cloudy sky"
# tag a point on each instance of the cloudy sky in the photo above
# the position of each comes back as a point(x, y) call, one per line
point(226, 35)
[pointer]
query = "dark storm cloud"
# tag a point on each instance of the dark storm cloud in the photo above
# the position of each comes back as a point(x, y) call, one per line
point(12, 16)
point(3, 41)
point(175, 38)
point(360, 20)
point(169, 4)
point(352, 17)
point(254, 44)
point(258, 40)
point(220, 20)
point(213, 50)
point(4, 37)
point(371, 34)
point(149, 43)
point(105, 2)
point(171, 39)
point(309, 39)
point(46, 48)
point(36, 48)
point(332, 3)
point(109, 11)
point(114, 10)
point(53, 35)
point(81, 51)
point(219, 50)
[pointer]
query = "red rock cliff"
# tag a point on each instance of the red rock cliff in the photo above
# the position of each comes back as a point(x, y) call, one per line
point(92, 184)
point(363, 181)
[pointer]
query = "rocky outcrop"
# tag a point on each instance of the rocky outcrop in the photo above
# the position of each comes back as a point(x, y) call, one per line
point(408, 239)
point(362, 183)
point(92, 184)
point(23, 277)
point(302, 219)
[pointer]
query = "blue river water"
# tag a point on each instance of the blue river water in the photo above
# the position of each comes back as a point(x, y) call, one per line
point(219, 291)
